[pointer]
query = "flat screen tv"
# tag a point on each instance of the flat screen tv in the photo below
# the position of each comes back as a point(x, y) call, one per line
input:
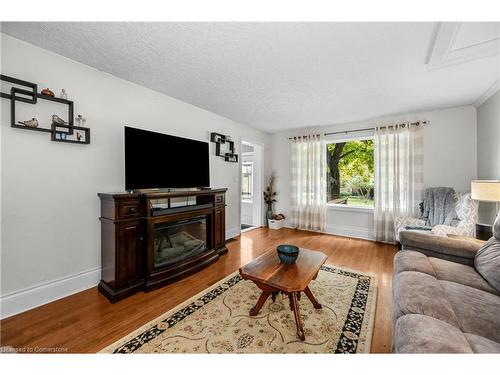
point(155, 160)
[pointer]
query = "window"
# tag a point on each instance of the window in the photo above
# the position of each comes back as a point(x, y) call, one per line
point(247, 181)
point(350, 173)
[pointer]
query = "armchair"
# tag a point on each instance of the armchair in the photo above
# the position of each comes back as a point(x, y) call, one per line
point(464, 225)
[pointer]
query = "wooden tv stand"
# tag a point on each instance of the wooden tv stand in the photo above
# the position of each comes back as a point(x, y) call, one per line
point(128, 225)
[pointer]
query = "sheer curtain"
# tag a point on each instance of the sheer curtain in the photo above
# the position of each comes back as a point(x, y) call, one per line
point(398, 176)
point(309, 183)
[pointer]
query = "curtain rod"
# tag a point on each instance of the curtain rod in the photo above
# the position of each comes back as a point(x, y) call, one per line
point(417, 123)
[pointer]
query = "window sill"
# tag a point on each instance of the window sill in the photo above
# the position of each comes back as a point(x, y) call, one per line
point(343, 207)
point(246, 201)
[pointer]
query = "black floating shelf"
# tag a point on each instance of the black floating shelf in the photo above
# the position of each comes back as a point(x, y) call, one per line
point(71, 130)
point(232, 158)
point(70, 141)
point(220, 139)
point(16, 90)
point(53, 99)
point(31, 96)
point(37, 129)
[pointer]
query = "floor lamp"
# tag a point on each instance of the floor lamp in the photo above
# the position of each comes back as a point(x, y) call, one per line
point(486, 191)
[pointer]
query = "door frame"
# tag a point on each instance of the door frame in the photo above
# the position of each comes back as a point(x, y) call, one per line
point(261, 174)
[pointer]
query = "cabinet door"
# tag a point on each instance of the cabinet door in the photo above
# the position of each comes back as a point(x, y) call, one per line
point(129, 253)
point(220, 228)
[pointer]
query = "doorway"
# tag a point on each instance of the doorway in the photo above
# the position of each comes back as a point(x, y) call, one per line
point(251, 185)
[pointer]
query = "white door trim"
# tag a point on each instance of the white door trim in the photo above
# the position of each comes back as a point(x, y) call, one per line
point(262, 183)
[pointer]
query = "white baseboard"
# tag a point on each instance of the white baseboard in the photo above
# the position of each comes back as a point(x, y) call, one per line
point(233, 232)
point(350, 231)
point(29, 298)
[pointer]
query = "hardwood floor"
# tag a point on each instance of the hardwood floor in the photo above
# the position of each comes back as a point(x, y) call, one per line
point(86, 322)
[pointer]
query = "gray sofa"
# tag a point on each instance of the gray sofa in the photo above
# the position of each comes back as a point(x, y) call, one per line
point(446, 294)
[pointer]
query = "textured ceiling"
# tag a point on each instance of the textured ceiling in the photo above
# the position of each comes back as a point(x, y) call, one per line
point(274, 76)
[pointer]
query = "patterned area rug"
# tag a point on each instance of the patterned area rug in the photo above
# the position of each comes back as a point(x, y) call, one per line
point(217, 320)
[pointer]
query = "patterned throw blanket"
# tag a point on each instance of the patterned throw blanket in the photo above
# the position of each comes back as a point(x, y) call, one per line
point(439, 206)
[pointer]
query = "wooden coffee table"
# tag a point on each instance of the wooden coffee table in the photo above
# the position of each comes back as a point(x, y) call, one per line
point(273, 277)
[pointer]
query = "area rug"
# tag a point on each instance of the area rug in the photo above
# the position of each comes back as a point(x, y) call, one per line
point(217, 320)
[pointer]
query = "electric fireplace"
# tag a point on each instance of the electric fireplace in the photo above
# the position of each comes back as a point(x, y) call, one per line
point(179, 240)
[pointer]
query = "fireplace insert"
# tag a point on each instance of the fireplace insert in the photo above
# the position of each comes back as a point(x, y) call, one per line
point(179, 240)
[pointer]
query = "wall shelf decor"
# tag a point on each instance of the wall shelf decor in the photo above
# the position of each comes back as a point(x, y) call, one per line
point(219, 140)
point(70, 134)
point(59, 132)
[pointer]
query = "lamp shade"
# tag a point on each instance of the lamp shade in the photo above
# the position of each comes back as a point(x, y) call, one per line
point(485, 190)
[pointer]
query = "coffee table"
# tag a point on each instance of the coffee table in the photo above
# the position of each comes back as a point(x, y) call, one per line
point(274, 277)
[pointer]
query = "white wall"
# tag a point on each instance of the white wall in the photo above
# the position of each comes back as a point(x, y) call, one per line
point(488, 150)
point(450, 160)
point(50, 209)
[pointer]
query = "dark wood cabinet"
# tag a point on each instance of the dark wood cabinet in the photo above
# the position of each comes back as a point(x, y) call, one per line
point(130, 223)
point(130, 244)
point(220, 225)
point(122, 254)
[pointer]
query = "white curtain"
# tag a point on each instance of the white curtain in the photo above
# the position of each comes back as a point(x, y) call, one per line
point(398, 176)
point(309, 183)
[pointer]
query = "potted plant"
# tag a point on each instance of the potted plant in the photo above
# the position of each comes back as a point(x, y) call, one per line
point(273, 221)
point(270, 197)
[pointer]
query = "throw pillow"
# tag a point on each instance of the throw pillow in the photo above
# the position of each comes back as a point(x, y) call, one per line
point(496, 227)
point(487, 261)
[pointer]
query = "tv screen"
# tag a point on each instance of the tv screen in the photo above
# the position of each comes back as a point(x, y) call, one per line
point(155, 160)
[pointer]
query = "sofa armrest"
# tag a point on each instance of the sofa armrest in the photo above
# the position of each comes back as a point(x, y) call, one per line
point(460, 250)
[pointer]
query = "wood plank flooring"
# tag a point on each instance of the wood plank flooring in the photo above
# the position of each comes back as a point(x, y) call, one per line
point(86, 322)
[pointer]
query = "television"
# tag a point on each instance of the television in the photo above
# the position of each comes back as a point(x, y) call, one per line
point(156, 160)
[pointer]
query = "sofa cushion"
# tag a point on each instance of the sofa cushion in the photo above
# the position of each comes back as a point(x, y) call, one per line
point(422, 334)
point(459, 273)
point(481, 344)
point(419, 293)
point(487, 262)
point(477, 312)
point(409, 260)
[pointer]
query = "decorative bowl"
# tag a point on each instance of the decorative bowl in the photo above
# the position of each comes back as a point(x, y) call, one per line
point(288, 253)
point(48, 92)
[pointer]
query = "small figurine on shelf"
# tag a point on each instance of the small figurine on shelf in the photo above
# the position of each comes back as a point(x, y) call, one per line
point(63, 94)
point(78, 136)
point(80, 120)
point(33, 123)
point(48, 92)
point(56, 120)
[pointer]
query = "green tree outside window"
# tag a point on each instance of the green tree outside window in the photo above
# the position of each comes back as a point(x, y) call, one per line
point(350, 172)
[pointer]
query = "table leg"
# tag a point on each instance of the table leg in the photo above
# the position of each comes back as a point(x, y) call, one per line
point(274, 295)
point(298, 319)
point(314, 301)
point(263, 297)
